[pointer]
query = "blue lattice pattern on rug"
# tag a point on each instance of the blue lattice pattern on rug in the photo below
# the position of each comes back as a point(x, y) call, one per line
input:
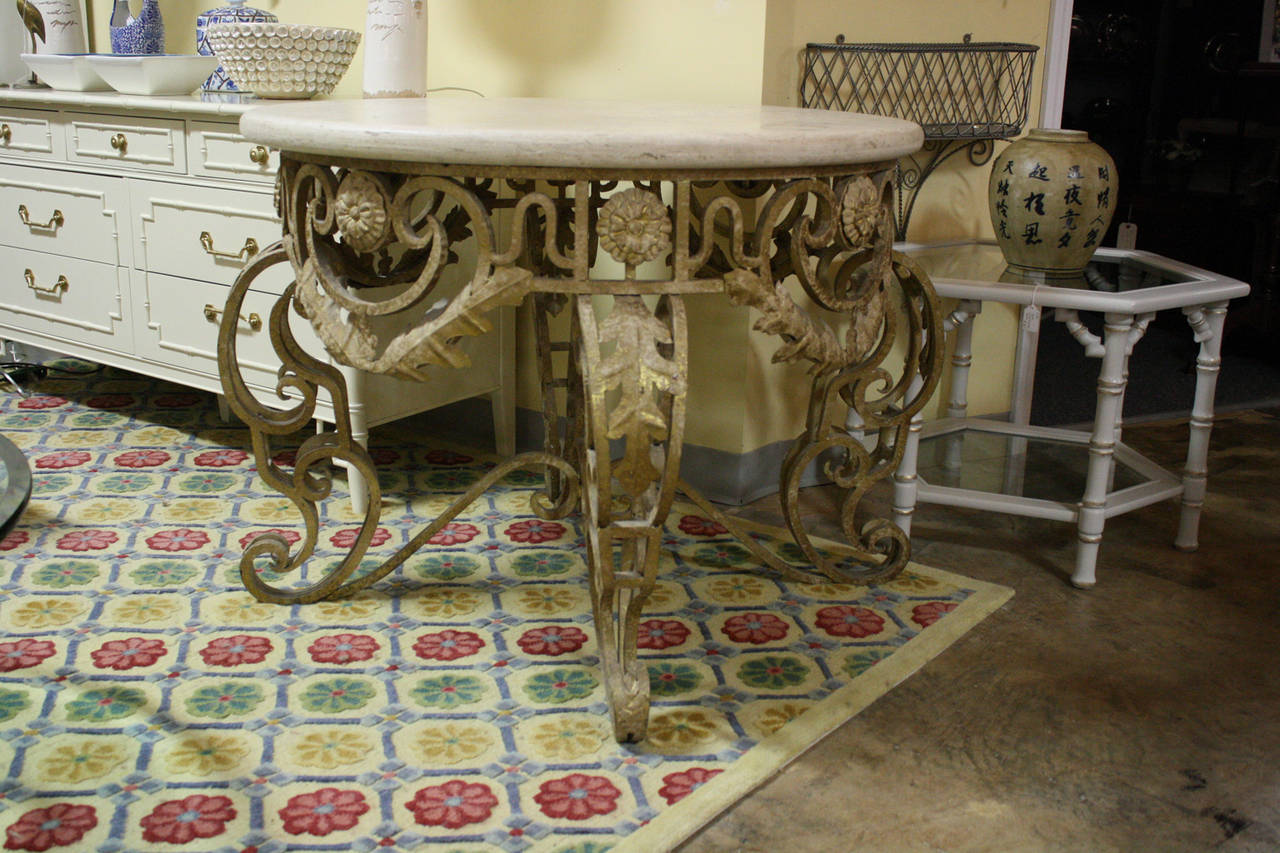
point(148, 703)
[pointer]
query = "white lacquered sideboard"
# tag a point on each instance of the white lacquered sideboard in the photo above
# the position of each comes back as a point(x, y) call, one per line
point(124, 220)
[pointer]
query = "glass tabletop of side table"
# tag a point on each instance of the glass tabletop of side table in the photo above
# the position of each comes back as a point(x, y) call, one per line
point(1077, 476)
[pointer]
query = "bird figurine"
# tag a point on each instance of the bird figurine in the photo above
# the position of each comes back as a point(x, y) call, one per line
point(34, 22)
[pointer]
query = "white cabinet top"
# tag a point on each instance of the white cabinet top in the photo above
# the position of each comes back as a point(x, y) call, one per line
point(211, 104)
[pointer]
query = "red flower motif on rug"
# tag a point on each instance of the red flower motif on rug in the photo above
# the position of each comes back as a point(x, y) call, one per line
point(13, 539)
point(290, 536)
point(577, 796)
point(63, 459)
point(455, 533)
point(58, 825)
point(447, 645)
point(658, 634)
point(383, 455)
point(925, 615)
point(696, 525)
point(843, 620)
point(109, 401)
point(126, 654)
point(175, 401)
point(347, 538)
point(677, 786)
point(86, 540)
point(755, 628)
point(24, 653)
point(343, 648)
point(141, 458)
point(534, 530)
point(41, 402)
point(179, 821)
point(181, 539)
point(285, 458)
point(237, 650)
point(322, 812)
point(452, 805)
point(223, 458)
point(552, 640)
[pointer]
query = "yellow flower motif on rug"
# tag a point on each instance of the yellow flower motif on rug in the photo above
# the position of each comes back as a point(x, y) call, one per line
point(241, 608)
point(270, 511)
point(451, 743)
point(143, 609)
point(47, 613)
point(349, 610)
point(156, 436)
point(192, 510)
point(738, 589)
point(84, 758)
point(910, 581)
point(681, 730)
point(447, 603)
point(549, 600)
point(104, 511)
point(566, 738)
point(777, 716)
point(332, 747)
point(78, 438)
point(207, 754)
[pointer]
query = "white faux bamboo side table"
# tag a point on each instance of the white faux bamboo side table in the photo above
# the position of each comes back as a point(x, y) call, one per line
point(378, 197)
point(1014, 467)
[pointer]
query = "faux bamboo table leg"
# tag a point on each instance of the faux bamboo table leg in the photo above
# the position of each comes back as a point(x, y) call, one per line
point(1102, 444)
point(1206, 323)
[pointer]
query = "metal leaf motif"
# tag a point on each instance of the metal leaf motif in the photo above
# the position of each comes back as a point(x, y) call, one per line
point(637, 370)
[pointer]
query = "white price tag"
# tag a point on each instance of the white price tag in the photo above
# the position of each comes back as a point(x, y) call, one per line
point(1031, 318)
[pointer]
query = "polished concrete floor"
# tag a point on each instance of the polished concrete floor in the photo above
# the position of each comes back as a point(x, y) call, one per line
point(1141, 715)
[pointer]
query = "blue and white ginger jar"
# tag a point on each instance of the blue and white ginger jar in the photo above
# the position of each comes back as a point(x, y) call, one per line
point(141, 34)
point(236, 12)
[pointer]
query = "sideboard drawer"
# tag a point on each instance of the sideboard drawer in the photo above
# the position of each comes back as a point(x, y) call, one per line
point(200, 232)
point(151, 143)
point(67, 213)
point(30, 133)
point(219, 151)
point(180, 319)
point(66, 297)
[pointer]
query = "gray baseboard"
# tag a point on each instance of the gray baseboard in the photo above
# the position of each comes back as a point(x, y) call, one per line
point(724, 477)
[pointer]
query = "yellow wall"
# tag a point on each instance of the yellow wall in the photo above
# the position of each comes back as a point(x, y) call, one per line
point(713, 51)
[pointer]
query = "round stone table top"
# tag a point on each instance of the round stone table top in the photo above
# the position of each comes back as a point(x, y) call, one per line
point(558, 133)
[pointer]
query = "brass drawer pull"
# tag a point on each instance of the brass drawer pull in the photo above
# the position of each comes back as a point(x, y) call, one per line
point(120, 143)
point(55, 221)
point(6, 133)
point(211, 314)
point(259, 154)
point(250, 248)
point(58, 287)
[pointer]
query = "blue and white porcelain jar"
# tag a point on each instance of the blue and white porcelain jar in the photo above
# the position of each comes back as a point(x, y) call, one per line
point(141, 34)
point(235, 12)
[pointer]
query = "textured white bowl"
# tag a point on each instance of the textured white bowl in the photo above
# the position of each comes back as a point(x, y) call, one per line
point(275, 60)
point(153, 74)
point(69, 72)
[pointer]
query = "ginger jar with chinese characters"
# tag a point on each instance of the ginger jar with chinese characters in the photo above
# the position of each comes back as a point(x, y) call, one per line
point(1052, 196)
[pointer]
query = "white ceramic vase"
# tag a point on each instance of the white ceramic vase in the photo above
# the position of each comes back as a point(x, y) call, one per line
point(395, 49)
point(63, 27)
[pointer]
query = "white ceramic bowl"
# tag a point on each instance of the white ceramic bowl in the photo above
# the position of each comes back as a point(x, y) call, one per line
point(153, 74)
point(69, 72)
point(275, 60)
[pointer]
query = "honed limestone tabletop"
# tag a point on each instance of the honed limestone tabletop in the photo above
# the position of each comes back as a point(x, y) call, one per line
point(552, 132)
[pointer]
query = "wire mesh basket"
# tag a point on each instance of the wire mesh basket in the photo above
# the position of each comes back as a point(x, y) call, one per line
point(969, 90)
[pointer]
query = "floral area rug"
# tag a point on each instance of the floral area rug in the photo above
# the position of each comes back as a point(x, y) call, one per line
point(147, 703)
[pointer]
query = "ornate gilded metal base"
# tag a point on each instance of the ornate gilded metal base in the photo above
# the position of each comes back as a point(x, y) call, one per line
point(369, 243)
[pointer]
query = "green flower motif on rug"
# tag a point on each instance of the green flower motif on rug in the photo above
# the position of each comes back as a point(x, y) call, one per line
point(773, 672)
point(65, 573)
point(453, 480)
point(669, 679)
point(540, 564)
point(108, 703)
point(50, 484)
point(448, 691)
point(209, 482)
point(123, 484)
point(447, 567)
point(561, 685)
point(720, 555)
point(859, 662)
point(160, 573)
point(230, 698)
point(335, 695)
point(98, 419)
point(12, 703)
